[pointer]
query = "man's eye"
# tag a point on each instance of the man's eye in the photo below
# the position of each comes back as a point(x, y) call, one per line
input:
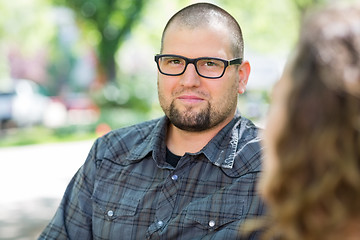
point(174, 61)
point(210, 63)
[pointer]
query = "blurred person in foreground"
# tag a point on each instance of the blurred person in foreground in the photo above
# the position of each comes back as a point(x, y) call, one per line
point(311, 178)
point(188, 175)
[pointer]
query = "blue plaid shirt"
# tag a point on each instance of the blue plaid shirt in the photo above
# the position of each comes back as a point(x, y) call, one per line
point(127, 190)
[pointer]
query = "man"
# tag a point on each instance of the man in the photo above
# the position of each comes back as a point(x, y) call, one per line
point(188, 175)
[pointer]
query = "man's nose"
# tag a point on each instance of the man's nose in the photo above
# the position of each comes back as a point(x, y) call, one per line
point(190, 77)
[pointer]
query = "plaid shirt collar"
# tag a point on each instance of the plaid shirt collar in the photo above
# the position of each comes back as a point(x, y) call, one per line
point(220, 151)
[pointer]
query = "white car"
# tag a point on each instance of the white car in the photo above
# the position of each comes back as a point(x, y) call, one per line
point(23, 105)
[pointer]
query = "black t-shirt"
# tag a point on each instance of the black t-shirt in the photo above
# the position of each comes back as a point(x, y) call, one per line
point(172, 158)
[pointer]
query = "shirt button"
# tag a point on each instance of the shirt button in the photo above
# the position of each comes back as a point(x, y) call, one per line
point(110, 213)
point(211, 223)
point(160, 223)
point(174, 177)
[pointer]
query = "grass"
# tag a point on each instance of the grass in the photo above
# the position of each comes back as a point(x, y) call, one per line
point(38, 135)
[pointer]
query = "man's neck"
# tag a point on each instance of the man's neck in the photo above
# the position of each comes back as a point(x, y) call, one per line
point(180, 141)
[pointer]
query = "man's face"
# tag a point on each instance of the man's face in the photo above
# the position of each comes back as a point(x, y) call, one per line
point(191, 102)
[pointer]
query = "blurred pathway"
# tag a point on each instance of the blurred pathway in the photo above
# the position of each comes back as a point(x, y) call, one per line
point(32, 181)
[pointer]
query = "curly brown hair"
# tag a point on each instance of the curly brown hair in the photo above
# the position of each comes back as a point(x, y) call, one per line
point(314, 190)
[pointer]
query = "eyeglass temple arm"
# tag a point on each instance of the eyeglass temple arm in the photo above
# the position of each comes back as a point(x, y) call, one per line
point(235, 61)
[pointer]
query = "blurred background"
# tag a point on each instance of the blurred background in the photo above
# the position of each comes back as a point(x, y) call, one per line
point(72, 70)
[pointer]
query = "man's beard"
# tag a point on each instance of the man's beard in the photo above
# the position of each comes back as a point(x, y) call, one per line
point(197, 120)
point(190, 121)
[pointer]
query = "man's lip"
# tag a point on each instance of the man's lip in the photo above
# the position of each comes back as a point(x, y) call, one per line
point(190, 97)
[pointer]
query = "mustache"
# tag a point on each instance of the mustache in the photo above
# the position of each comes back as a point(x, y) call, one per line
point(186, 91)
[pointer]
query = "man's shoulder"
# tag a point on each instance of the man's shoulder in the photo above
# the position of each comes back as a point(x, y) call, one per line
point(136, 130)
point(249, 148)
point(122, 141)
point(247, 129)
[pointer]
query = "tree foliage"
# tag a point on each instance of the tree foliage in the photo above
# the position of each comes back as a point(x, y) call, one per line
point(303, 5)
point(24, 31)
point(106, 23)
point(270, 26)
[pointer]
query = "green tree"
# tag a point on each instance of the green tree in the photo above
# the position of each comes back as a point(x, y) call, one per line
point(303, 5)
point(24, 30)
point(106, 23)
point(270, 26)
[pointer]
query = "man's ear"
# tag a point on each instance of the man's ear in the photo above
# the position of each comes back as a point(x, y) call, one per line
point(243, 74)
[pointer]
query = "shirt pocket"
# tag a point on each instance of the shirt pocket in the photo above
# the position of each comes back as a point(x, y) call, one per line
point(211, 215)
point(112, 198)
point(111, 220)
point(125, 207)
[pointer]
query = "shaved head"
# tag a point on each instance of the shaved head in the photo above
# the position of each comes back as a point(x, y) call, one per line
point(203, 15)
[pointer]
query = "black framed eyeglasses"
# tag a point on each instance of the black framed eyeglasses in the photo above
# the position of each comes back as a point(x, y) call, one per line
point(207, 67)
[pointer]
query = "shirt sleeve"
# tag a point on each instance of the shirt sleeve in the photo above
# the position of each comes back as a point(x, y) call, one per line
point(72, 219)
